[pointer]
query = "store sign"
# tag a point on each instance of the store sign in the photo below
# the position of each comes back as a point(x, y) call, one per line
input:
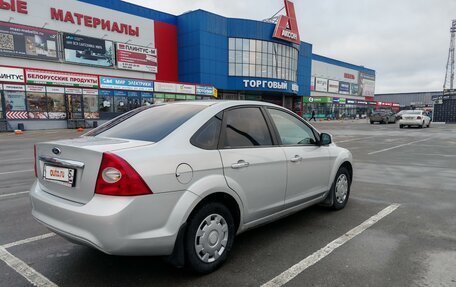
point(15, 88)
point(74, 91)
point(349, 76)
point(93, 22)
point(186, 89)
point(321, 85)
point(90, 92)
point(165, 87)
point(126, 84)
point(339, 101)
point(287, 27)
point(344, 88)
point(204, 91)
point(18, 6)
point(265, 84)
point(55, 90)
point(27, 42)
point(36, 89)
point(333, 86)
point(60, 78)
point(351, 102)
point(87, 50)
point(323, 100)
point(312, 83)
point(13, 75)
point(136, 58)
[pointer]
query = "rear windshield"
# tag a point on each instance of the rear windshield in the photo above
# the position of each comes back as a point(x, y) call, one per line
point(413, 112)
point(152, 123)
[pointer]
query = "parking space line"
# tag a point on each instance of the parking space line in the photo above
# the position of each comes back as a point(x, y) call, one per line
point(17, 171)
point(33, 276)
point(398, 146)
point(298, 268)
point(13, 194)
point(28, 240)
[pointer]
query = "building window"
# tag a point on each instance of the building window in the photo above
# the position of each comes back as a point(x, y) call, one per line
point(91, 107)
point(37, 106)
point(256, 58)
point(56, 106)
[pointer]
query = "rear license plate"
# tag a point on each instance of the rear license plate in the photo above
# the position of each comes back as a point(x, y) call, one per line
point(60, 175)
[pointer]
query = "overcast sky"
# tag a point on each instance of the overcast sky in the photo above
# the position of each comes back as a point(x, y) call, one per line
point(405, 41)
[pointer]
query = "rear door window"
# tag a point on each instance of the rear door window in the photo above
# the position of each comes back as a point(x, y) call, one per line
point(152, 123)
point(207, 136)
point(245, 127)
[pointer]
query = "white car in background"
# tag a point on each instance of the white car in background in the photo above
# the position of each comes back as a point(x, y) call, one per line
point(415, 118)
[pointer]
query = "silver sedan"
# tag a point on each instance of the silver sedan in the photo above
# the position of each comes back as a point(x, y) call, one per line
point(182, 179)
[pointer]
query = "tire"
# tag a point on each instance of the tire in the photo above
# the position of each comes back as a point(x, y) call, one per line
point(339, 201)
point(218, 235)
point(401, 126)
point(372, 122)
point(422, 125)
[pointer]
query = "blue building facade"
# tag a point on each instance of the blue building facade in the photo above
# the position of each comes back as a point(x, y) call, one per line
point(196, 55)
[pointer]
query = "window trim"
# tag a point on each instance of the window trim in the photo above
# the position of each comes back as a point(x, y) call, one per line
point(276, 131)
point(272, 134)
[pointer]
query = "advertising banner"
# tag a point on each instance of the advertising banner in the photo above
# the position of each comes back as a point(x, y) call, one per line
point(333, 86)
point(165, 87)
point(344, 88)
point(321, 85)
point(27, 42)
point(204, 91)
point(55, 90)
point(13, 75)
point(186, 89)
point(354, 89)
point(44, 77)
point(367, 85)
point(312, 83)
point(136, 58)
point(126, 84)
point(74, 91)
point(88, 51)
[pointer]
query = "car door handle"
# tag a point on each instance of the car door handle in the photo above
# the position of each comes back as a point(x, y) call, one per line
point(240, 164)
point(296, 158)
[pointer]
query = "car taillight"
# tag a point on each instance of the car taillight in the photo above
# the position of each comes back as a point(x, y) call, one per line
point(117, 177)
point(34, 158)
point(418, 118)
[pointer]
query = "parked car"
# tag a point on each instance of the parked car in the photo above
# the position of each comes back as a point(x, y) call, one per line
point(182, 179)
point(383, 117)
point(417, 118)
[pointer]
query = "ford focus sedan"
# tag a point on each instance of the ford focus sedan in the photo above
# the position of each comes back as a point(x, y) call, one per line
point(181, 180)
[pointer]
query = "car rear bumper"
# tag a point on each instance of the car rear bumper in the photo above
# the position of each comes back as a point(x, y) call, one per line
point(140, 225)
point(411, 122)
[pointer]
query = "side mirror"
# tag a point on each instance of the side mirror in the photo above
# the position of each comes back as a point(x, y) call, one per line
point(325, 139)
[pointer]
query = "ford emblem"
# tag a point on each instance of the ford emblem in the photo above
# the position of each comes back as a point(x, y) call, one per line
point(56, 151)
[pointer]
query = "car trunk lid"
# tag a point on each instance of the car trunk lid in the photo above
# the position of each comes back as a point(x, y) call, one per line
point(69, 168)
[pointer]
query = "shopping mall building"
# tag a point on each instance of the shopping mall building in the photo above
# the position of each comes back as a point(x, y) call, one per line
point(78, 62)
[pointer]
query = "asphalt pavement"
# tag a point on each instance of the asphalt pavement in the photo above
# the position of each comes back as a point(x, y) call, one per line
point(412, 170)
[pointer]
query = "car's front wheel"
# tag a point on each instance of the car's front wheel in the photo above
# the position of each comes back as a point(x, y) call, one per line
point(209, 237)
point(341, 189)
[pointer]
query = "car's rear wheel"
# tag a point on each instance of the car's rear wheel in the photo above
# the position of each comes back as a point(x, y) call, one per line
point(401, 126)
point(372, 122)
point(209, 237)
point(341, 189)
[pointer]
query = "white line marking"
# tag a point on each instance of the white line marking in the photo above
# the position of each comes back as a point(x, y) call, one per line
point(395, 147)
point(34, 277)
point(351, 140)
point(12, 194)
point(18, 171)
point(295, 270)
point(28, 240)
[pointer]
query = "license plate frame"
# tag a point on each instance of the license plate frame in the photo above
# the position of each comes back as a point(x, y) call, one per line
point(59, 175)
